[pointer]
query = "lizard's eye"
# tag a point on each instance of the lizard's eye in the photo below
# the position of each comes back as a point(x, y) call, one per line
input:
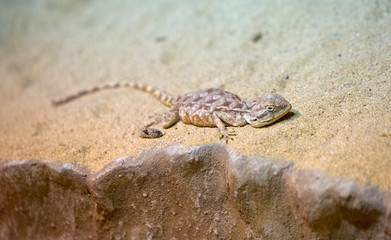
point(270, 108)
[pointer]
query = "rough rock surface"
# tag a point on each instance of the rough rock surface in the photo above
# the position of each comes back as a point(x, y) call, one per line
point(206, 192)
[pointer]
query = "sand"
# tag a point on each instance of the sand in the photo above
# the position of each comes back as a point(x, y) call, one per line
point(331, 60)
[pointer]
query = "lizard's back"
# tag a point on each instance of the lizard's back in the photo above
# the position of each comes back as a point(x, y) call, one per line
point(197, 108)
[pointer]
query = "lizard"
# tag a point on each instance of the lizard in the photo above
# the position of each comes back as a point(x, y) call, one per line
point(211, 107)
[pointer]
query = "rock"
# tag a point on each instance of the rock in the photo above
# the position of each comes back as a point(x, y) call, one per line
point(205, 192)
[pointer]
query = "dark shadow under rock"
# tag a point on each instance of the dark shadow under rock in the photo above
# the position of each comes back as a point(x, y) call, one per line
point(202, 192)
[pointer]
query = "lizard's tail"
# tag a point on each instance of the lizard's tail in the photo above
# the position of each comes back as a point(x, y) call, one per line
point(166, 99)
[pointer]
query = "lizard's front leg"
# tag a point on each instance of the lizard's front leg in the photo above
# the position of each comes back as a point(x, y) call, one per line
point(224, 133)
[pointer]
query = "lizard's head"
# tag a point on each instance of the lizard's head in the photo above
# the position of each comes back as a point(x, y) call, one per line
point(267, 110)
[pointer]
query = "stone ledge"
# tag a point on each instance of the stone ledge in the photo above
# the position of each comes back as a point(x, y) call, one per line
point(201, 192)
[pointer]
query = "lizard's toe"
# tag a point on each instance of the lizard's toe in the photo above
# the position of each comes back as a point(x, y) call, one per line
point(150, 133)
point(228, 135)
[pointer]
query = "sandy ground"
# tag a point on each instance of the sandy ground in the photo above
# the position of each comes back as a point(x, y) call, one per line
point(330, 59)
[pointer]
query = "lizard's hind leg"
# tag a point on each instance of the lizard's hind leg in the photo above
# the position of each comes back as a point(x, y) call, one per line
point(147, 132)
point(167, 119)
point(170, 118)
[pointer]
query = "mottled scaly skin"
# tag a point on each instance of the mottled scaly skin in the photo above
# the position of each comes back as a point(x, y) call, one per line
point(197, 108)
point(206, 108)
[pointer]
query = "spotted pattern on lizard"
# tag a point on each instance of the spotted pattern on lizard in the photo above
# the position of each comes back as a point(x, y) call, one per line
point(211, 107)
